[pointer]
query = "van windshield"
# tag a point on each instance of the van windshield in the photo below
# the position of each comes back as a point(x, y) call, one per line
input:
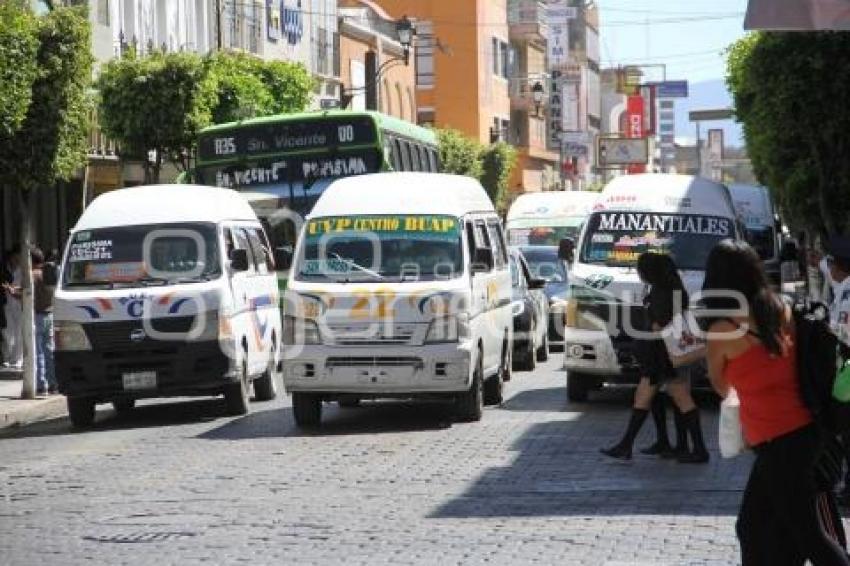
point(144, 255)
point(410, 247)
point(763, 240)
point(617, 239)
point(535, 232)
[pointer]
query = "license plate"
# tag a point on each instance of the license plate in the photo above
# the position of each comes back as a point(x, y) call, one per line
point(134, 381)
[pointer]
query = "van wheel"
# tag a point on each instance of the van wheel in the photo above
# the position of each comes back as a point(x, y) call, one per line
point(543, 350)
point(527, 361)
point(470, 404)
point(237, 395)
point(265, 386)
point(81, 411)
point(577, 387)
point(123, 406)
point(495, 386)
point(307, 409)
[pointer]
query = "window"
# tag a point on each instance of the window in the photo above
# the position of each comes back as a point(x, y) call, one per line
point(435, 163)
point(414, 158)
point(423, 159)
point(321, 51)
point(496, 238)
point(272, 20)
point(397, 162)
point(262, 254)
point(503, 58)
point(425, 42)
point(103, 12)
point(242, 242)
point(496, 57)
point(405, 156)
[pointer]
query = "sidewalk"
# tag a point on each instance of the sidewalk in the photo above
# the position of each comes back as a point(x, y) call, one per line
point(15, 411)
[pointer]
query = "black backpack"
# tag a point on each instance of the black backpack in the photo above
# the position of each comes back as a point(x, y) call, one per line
point(817, 363)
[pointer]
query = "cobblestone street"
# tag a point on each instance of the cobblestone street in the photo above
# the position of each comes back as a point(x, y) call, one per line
point(178, 483)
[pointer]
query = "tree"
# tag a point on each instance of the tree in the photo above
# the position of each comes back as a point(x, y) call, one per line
point(18, 47)
point(459, 154)
point(789, 93)
point(497, 163)
point(50, 143)
point(154, 106)
point(247, 86)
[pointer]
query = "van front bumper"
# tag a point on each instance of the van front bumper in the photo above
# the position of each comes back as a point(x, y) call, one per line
point(397, 371)
point(595, 352)
point(181, 368)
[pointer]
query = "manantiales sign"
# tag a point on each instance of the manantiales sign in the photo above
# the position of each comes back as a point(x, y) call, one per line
point(665, 223)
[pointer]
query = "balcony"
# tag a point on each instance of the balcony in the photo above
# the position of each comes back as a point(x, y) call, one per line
point(520, 93)
point(527, 20)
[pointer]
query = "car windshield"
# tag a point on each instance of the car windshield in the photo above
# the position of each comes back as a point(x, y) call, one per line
point(617, 239)
point(543, 263)
point(380, 247)
point(763, 240)
point(135, 256)
point(525, 233)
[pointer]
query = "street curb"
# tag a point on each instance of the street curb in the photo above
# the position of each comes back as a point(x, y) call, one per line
point(35, 411)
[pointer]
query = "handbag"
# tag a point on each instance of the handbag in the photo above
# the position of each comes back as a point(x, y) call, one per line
point(682, 339)
point(730, 435)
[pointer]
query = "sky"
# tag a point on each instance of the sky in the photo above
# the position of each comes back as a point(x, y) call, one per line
point(688, 36)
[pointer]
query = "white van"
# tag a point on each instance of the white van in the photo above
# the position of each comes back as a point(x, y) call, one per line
point(680, 215)
point(754, 206)
point(166, 290)
point(400, 288)
point(545, 218)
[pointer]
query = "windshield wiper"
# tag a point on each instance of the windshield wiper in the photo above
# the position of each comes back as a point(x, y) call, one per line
point(91, 283)
point(358, 267)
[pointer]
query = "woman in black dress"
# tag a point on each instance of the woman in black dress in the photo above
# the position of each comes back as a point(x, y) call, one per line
point(666, 298)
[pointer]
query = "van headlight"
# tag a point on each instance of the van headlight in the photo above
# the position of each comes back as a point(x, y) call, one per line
point(300, 331)
point(447, 329)
point(574, 317)
point(70, 337)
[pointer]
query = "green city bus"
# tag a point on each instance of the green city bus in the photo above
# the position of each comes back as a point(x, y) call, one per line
point(285, 162)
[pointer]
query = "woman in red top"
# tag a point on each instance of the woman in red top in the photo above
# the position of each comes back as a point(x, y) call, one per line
point(780, 521)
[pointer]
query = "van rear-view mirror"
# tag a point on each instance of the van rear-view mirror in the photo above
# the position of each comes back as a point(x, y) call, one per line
point(283, 258)
point(239, 260)
point(566, 249)
point(536, 283)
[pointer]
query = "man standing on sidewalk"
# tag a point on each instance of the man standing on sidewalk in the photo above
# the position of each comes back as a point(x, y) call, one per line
point(43, 288)
point(10, 279)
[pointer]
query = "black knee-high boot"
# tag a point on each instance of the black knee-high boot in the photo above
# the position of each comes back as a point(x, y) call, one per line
point(681, 435)
point(699, 454)
point(623, 449)
point(659, 417)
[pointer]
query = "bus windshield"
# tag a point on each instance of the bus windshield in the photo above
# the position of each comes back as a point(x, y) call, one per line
point(616, 239)
point(381, 247)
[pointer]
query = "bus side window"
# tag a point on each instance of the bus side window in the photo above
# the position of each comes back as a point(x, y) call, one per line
point(405, 156)
point(414, 157)
point(499, 253)
point(470, 241)
point(423, 159)
point(432, 154)
point(397, 163)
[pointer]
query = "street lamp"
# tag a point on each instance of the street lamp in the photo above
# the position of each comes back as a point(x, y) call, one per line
point(537, 94)
point(406, 32)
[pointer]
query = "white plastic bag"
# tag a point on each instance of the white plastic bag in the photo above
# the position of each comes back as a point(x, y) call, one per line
point(682, 340)
point(731, 435)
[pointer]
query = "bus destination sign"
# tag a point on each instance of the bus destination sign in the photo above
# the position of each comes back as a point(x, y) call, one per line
point(287, 137)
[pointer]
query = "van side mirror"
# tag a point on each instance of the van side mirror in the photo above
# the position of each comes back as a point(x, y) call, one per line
point(239, 260)
point(283, 258)
point(536, 283)
point(566, 249)
point(483, 261)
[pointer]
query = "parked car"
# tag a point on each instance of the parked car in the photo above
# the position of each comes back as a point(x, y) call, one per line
point(544, 263)
point(530, 308)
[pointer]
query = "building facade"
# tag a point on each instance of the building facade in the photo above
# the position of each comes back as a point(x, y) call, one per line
point(365, 27)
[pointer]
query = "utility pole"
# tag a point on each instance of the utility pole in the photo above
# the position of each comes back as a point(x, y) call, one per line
point(218, 33)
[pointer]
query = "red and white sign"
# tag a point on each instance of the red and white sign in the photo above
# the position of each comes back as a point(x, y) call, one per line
point(635, 126)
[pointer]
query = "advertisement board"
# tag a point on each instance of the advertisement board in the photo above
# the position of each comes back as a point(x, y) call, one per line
point(617, 152)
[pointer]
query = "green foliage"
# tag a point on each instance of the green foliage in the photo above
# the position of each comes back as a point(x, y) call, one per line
point(459, 154)
point(18, 48)
point(155, 103)
point(51, 141)
point(497, 163)
point(789, 93)
point(249, 87)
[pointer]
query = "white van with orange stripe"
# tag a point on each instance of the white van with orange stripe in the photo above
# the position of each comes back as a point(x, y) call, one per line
point(166, 291)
